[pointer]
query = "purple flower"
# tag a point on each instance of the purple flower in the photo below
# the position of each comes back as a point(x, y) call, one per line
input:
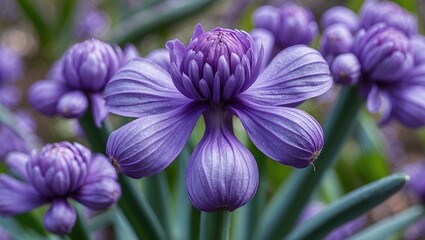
point(92, 23)
point(78, 80)
point(341, 15)
point(346, 69)
point(58, 172)
point(10, 65)
point(373, 12)
point(217, 75)
point(290, 24)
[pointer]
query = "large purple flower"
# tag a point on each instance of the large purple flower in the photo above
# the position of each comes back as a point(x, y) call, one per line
point(77, 81)
point(58, 172)
point(217, 75)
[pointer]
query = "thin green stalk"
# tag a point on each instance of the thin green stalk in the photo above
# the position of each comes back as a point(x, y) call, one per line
point(291, 198)
point(215, 225)
point(80, 230)
point(132, 202)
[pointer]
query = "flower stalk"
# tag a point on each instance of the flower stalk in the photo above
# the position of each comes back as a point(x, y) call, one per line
point(215, 225)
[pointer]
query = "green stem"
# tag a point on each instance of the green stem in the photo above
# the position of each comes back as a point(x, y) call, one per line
point(132, 202)
point(215, 225)
point(80, 230)
point(291, 198)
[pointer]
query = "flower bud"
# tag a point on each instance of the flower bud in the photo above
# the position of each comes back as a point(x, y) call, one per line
point(59, 168)
point(72, 104)
point(336, 39)
point(374, 12)
point(346, 69)
point(60, 218)
point(89, 65)
point(215, 65)
point(384, 53)
point(341, 15)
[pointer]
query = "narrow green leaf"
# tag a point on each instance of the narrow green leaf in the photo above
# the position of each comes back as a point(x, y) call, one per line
point(80, 230)
point(215, 225)
point(132, 202)
point(153, 19)
point(30, 221)
point(409, 5)
point(349, 207)
point(29, 8)
point(122, 229)
point(291, 198)
point(392, 225)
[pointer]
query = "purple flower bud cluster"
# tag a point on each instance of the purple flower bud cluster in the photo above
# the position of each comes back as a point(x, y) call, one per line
point(219, 74)
point(59, 172)
point(379, 51)
point(77, 81)
point(11, 68)
point(290, 24)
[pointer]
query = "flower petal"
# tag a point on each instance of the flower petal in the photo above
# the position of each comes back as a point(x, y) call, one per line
point(60, 218)
point(99, 194)
point(17, 162)
point(287, 135)
point(161, 57)
point(100, 167)
point(142, 88)
point(294, 75)
point(147, 145)
point(265, 39)
point(17, 197)
point(72, 104)
point(222, 174)
point(99, 109)
point(44, 95)
point(408, 105)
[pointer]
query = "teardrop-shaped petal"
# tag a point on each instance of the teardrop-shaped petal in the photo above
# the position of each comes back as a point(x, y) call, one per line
point(294, 75)
point(287, 135)
point(17, 197)
point(60, 218)
point(99, 194)
point(100, 167)
point(408, 105)
point(142, 88)
point(72, 104)
point(17, 162)
point(98, 109)
point(147, 145)
point(222, 174)
point(44, 95)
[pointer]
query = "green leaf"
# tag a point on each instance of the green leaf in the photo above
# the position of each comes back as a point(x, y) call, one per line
point(291, 198)
point(409, 5)
point(349, 207)
point(391, 225)
point(140, 24)
point(80, 230)
point(123, 228)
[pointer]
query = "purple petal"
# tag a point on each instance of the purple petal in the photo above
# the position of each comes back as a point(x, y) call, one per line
point(346, 69)
point(100, 167)
point(60, 218)
point(142, 88)
point(17, 197)
point(287, 135)
point(265, 39)
point(72, 104)
point(373, 101)
point(10, 95)
point(222, 174)
point(341, 15)
point(266, 17)
point(99, 194)
point(17, 162)
point(44, 95)
point(99, 109)
point(408, 105)
point(294, 75)
point(149, 144)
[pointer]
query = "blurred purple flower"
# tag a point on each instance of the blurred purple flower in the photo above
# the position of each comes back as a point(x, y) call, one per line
point(92, 23)
point(336, 39)
point(290, 24)
point(373, 12)
point(12, 141)
point(342, 232)
point(341, 15)
point(10, 71)
point(217, 75)
point(77, 81)
point(58, 172)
